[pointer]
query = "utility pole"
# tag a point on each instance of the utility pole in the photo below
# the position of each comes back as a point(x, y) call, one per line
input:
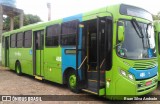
point(49, 11)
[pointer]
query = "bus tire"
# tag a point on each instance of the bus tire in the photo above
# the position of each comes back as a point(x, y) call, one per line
point(18, 69)
point(71, 82)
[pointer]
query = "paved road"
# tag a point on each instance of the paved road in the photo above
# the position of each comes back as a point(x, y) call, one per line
point(11, 84)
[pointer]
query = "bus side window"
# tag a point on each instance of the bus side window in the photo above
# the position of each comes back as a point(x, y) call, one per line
point(52, 35)
point(39, 39)
point(20, 40)
point(13, 41)
point(27, 39)
point(69, 31)
point(108, 39)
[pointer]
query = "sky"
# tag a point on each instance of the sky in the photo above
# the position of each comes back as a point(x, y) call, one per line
point(64, 8)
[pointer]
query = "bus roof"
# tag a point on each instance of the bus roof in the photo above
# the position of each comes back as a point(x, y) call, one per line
point(58, 21)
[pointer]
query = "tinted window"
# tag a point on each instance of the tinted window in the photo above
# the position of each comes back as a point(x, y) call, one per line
point(52, 36)
point(19, 40)
point(69, 30)
point(69, 27)
point(68, 39)
point(39, 39)
point(28, 39)
point(13, 41)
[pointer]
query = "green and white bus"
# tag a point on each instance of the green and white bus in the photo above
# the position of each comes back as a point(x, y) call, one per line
point(157, 36)
point(107, 51)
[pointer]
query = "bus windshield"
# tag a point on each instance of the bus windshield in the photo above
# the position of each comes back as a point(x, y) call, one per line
point(139, 42)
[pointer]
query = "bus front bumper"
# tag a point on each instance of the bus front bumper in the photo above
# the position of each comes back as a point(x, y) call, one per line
point(125, 88)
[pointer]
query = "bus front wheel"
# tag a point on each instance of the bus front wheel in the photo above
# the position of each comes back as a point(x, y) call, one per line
point(18, 69)
point(72, 82)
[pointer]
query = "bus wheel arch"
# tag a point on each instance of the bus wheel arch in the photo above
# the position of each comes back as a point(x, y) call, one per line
point(69, 78)
point(18, 68)
point(65, 74)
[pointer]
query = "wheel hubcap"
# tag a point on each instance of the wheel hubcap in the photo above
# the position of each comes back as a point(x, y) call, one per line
point(72, 81)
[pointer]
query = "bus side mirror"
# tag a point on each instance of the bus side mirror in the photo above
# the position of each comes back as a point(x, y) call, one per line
point(121, 33)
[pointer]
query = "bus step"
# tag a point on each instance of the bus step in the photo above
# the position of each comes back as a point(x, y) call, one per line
point(92, 91)
point(92, 75)
point(38, 77)
point(92, 84)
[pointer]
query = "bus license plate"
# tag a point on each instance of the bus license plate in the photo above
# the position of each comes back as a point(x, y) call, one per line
point(148, 83)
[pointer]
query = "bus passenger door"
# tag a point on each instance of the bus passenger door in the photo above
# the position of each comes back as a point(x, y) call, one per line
point(38, 46)
point(95, 38)
point(6, 51)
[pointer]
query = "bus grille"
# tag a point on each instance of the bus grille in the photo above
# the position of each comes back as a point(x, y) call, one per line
point(145, 65)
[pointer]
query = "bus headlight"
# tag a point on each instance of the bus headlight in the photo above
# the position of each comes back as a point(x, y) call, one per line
point(123, 72)
point(126, 74)
point(130, 76)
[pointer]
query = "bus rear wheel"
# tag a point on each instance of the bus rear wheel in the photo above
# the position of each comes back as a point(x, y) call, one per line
point(72, 82)
point(18, 69)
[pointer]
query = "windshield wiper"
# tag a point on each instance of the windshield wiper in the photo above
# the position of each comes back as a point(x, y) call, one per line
point(137, 28)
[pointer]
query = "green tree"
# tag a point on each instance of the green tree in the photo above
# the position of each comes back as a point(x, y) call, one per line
point(157, 16)
point(28, 19)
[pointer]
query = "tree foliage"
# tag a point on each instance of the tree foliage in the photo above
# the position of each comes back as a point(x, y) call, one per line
point(28, 19)
point(157, 16)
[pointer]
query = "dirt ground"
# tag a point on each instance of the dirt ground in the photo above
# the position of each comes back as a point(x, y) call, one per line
point(12, 84)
